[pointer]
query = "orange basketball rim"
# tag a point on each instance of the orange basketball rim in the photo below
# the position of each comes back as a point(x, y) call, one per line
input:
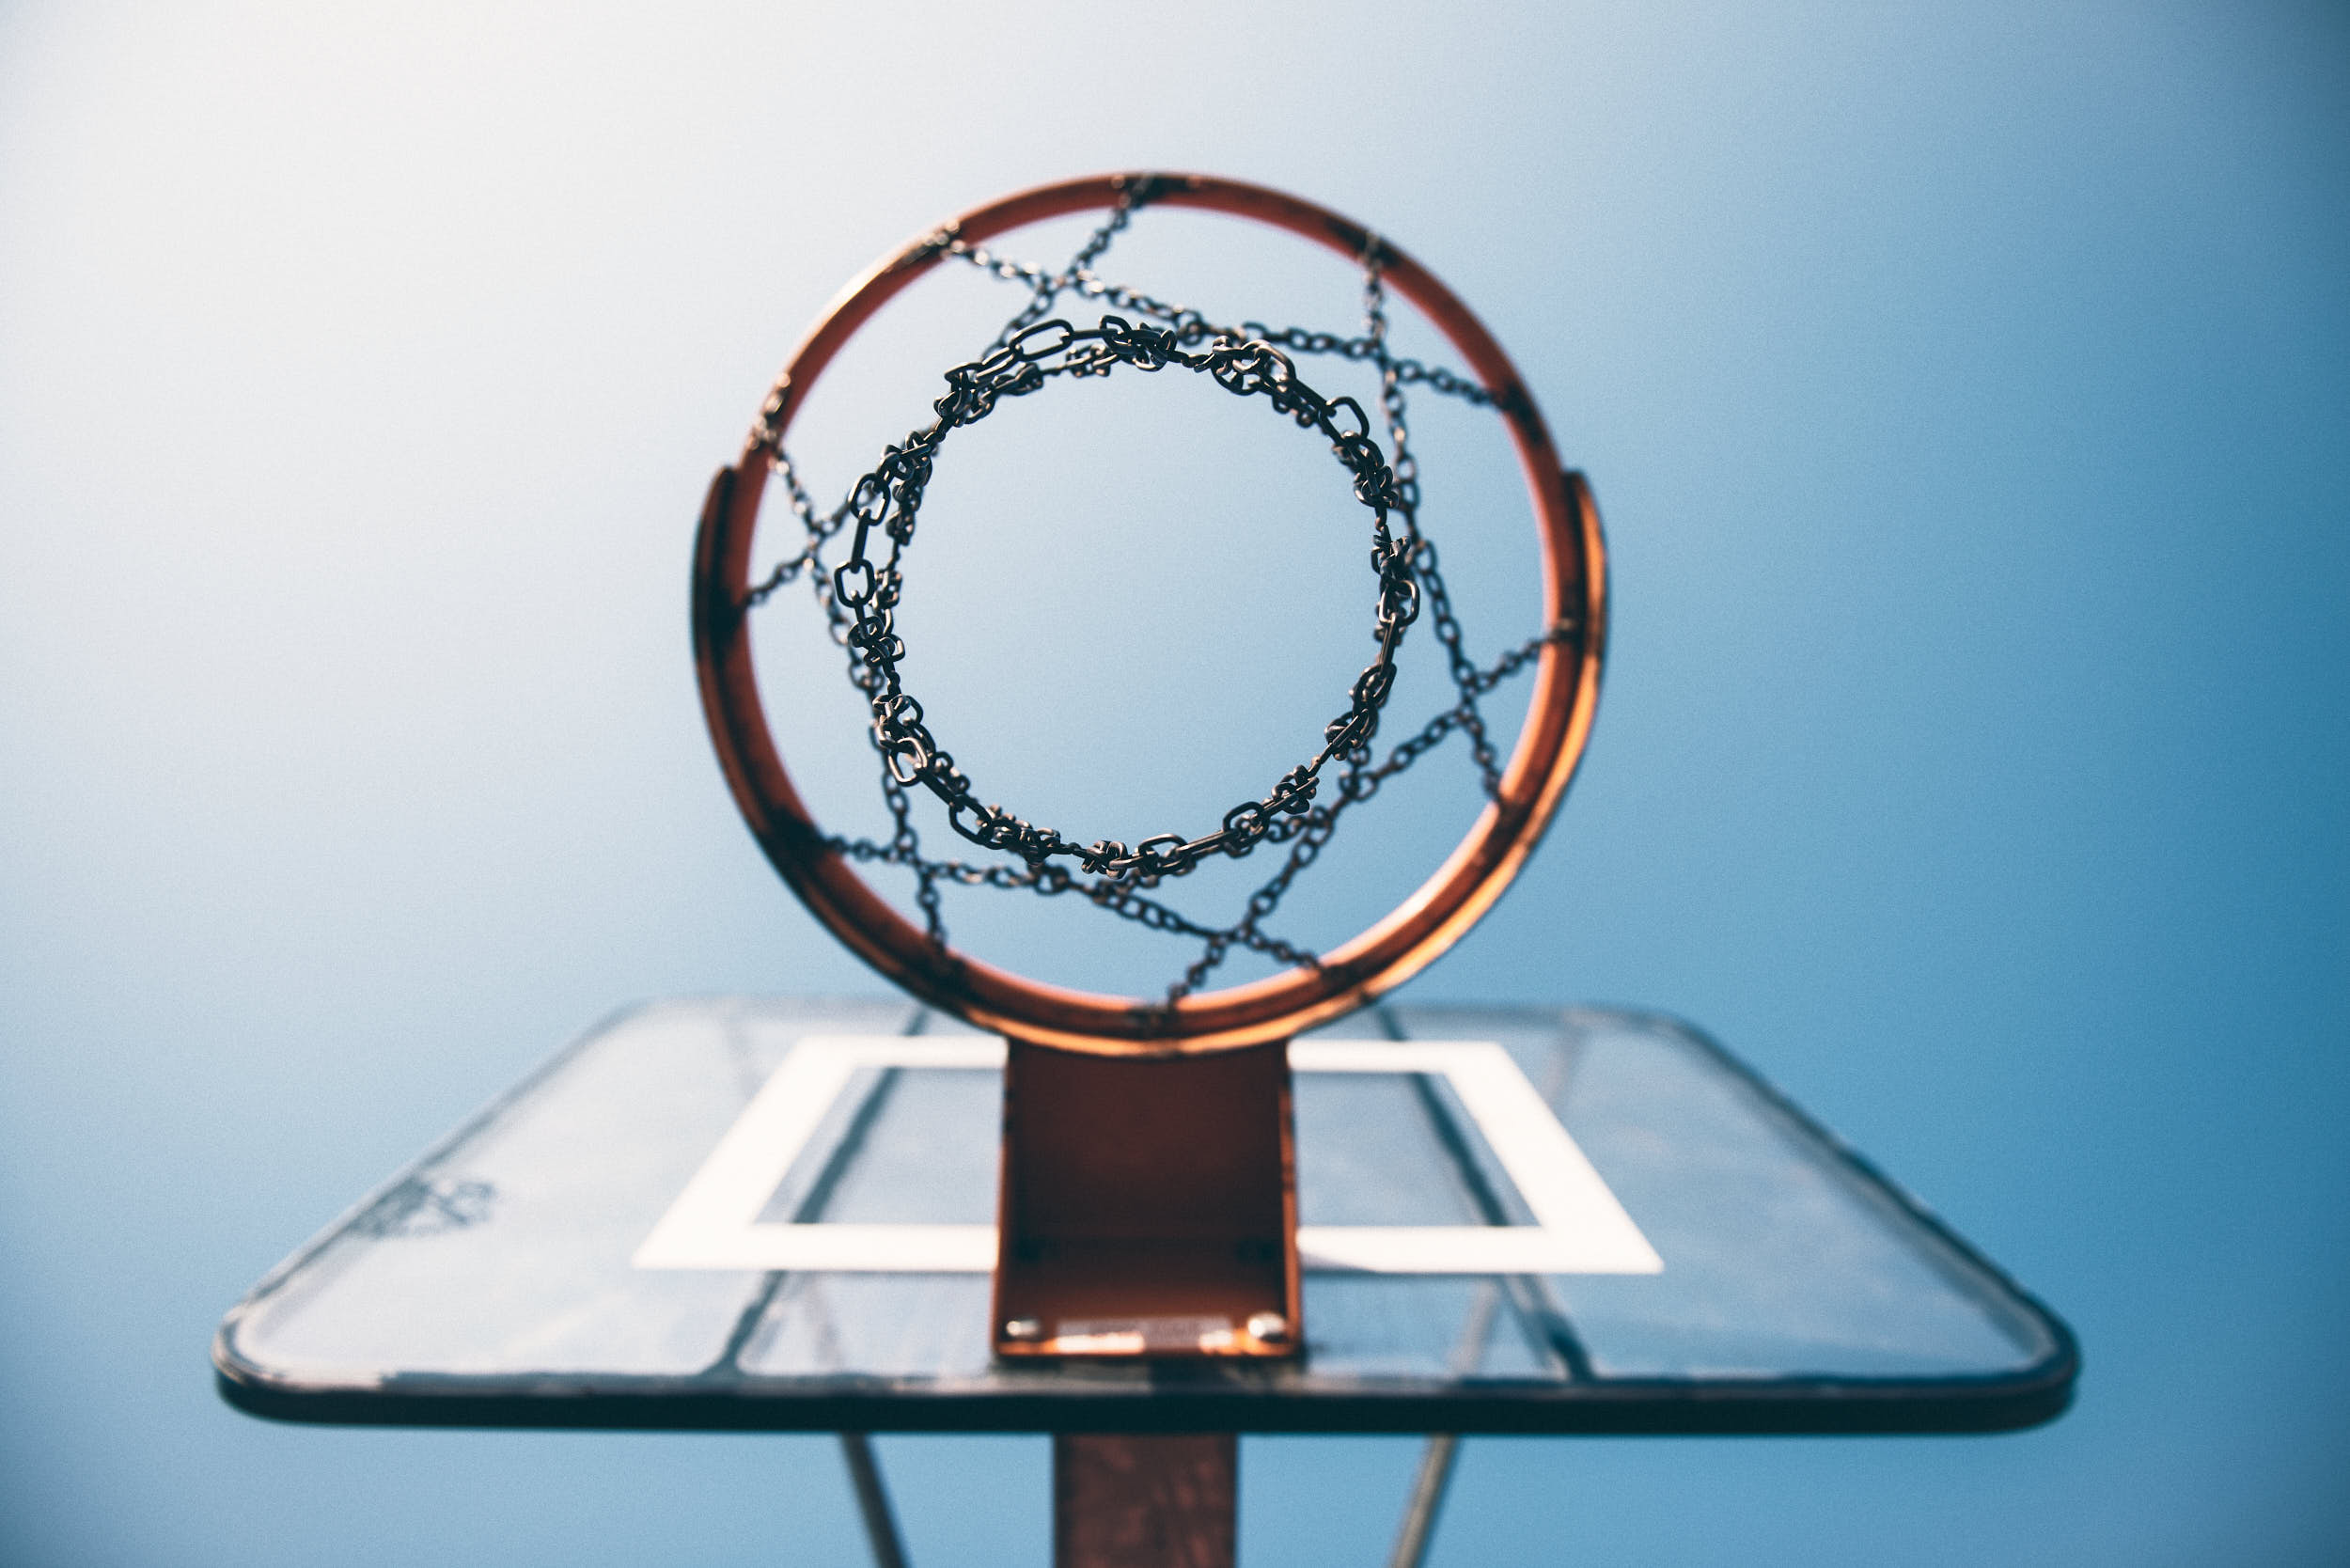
point(1558, 720)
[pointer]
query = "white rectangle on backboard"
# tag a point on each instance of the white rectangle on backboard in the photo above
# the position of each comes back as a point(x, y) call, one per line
point(1579, 1226)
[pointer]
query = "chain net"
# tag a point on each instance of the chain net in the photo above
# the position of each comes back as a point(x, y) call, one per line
point(858, 595)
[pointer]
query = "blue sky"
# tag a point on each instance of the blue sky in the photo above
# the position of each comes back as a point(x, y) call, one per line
point(1968, 393)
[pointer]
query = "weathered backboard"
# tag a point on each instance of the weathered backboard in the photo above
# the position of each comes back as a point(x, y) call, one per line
point(753, 1213)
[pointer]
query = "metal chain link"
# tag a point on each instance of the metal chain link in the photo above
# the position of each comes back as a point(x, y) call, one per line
point(858, 597)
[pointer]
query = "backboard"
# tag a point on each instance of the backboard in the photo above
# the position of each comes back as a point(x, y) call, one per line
point(740, 1214)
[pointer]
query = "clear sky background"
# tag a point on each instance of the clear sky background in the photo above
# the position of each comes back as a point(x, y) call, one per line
point(1968, 392)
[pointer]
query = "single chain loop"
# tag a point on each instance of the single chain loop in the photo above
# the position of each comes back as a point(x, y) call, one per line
point(859, 595)
point(889, 498)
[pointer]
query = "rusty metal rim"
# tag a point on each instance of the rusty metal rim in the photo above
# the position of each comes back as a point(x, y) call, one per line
point(1558, 719)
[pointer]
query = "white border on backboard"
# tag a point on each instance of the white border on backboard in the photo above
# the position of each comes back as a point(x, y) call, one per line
point(1579, 1226)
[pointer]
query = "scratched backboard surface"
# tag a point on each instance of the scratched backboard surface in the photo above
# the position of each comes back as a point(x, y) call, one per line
point(743, 1213)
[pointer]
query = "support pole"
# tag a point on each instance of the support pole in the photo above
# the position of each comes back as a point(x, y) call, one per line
point(1428, 1488)
point(873, 1501)
point(1145, 1502)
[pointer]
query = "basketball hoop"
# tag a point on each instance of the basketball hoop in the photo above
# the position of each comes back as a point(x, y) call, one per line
point(1522, 794)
